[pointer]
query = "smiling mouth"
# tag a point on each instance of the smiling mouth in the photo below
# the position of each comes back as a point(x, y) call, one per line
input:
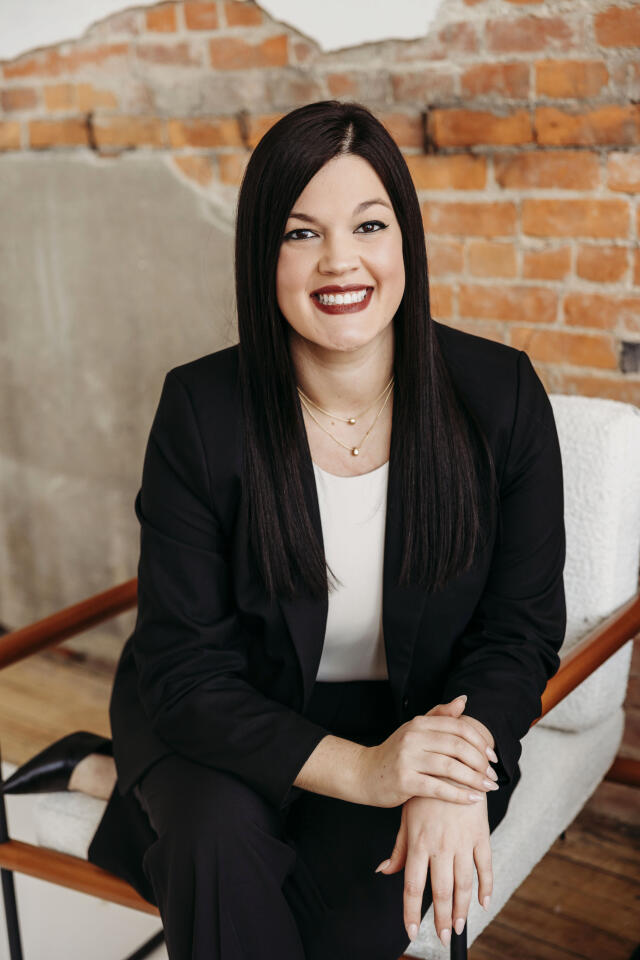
point(333, 305)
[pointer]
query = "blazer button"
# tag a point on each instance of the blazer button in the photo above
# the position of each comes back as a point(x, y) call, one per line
point(405, 702)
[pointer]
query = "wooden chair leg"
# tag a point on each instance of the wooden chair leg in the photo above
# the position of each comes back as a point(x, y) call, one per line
point(458, 945)
point(8, 888)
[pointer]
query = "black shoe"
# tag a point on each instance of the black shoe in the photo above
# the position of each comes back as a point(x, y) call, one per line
point(51, 769)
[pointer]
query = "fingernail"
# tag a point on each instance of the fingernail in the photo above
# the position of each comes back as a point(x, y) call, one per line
point(383, 865)
point(413, 931)
point(490, 784)
point(491, 773)
point(462, 697)
point(492, 755)
point(459, 925)
point(485, 903)
point(475, 796)
point(445, 936)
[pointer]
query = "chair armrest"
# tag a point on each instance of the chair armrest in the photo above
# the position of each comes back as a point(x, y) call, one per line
point(593, 649)
point(21, 643)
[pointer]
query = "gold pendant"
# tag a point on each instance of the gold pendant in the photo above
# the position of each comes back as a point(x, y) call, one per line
point(351, 420)
point(355, 451)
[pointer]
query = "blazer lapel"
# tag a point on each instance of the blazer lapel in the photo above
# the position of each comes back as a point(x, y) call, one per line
point(402, 607)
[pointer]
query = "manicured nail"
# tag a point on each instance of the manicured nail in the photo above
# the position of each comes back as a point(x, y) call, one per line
point(462, 697)
point(383, 866)
point(459, 925)
point(475, 796)
point(445, 936)
point(492, 755)
point(490, 784)
point(413, 931)
point(485, 903)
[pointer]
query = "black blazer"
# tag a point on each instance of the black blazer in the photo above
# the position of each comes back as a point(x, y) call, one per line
point(217, 673)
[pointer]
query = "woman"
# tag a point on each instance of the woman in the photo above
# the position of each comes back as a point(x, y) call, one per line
point(283, 730)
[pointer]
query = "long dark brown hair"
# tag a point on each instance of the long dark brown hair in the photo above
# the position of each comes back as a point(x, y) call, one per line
point(448, 476)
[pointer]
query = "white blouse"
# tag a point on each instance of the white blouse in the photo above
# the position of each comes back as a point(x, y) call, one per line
point(353, 512)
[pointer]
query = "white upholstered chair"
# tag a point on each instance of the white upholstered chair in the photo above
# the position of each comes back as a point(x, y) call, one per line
point(565, 755)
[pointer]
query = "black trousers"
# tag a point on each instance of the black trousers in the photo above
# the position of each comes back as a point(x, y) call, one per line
point(236, 879)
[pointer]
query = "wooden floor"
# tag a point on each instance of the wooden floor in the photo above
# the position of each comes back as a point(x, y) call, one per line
point(581, 901)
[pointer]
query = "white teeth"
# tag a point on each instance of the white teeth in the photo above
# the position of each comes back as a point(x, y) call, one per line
point(329, 298)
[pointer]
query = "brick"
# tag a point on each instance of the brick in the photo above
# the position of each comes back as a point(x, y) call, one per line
point(444, 256)
point(9, 135)
point(422, 85)
point(619, 125)
point(162, 19)
point(473, 219)
point(199, 132)
point(461, 128)
point(18, 98)
point(554, 264)
point(511, 304)
point(558, 346)
point(90, 98)
point(636, 268)
point(489, 259)
point(302, 53)
point(231, 166)
point(201, 16)
point(570, 78)
point(82, 96)
point(406, 129)
point(341, 84)
point(525, 1)
point(257, 126)
point(52, 63)
point(623, 389)
point(196, 168)
point(124, 132)
point(590, 217)
point(623, 172)
point(564, 169)
point(69, 132)
point(527, 34)
point(619, 314)
point(175, 54)
point(618, 27)
point(242, 14)
point(292, 86)
point(441, 300)
point(455, 40)
point(601, 264)
point(454, 172)
point(233, 53)
point(503, 79)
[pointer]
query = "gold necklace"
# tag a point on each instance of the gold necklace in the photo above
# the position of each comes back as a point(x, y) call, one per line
point(354, 450)
point(345, 419)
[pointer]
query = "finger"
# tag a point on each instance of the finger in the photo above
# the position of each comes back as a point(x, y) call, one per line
point(425, 785)
point(441, 866)
point(484, 865)
point(454, 708)
point(439, 765)
point(461, 740)
point(456, 726)
point(415, 879)
point(462, 888)
point(397, 859)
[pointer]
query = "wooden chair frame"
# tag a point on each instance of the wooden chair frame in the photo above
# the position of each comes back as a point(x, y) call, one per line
point(78, 874)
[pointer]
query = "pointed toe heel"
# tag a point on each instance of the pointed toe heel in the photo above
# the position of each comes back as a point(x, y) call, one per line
point(50, 770)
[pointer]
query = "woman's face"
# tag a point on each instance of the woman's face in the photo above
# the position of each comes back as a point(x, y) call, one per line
point(336, 237)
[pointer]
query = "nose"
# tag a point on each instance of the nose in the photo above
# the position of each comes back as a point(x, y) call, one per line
point(338, 255)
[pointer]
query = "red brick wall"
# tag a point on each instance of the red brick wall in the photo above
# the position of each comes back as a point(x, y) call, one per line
point(520, 125)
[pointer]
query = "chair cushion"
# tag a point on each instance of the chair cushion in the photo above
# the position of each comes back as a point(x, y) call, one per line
point(600, 447)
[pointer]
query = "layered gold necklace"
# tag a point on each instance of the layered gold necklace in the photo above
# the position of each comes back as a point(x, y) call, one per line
point(307, 402)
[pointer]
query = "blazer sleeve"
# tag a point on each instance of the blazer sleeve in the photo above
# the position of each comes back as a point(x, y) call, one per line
point(510, 648)
point(188, 644)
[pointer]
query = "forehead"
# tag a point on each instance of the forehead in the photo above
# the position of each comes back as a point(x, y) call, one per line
point(342, 180)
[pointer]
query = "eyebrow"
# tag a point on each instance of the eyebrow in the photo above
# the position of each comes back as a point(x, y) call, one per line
point(361, 206)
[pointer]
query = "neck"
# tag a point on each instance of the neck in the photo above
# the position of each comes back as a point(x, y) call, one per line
point(342, 382)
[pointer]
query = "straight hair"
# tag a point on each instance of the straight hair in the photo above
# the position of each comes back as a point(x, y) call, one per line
point(448, 482)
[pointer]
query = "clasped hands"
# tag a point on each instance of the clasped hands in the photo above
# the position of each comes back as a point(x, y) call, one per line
point(434, 765)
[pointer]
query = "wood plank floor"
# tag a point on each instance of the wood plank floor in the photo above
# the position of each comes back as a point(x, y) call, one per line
point(581, 901)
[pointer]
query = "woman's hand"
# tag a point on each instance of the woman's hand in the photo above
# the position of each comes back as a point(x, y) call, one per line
point(436, 755)
point(446, 838)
